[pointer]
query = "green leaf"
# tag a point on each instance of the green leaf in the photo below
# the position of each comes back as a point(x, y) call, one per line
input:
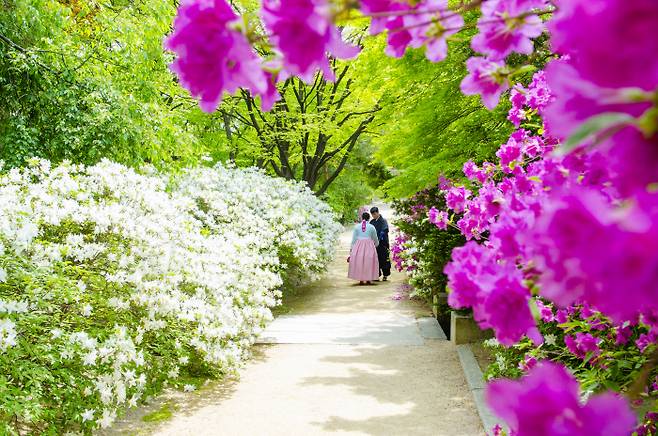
point(598, 126)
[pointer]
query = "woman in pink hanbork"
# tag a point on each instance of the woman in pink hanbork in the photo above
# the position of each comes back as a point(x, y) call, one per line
point(364, 265)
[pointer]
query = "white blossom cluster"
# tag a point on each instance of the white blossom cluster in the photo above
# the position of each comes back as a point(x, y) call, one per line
point(282, 213)
point(120, 281)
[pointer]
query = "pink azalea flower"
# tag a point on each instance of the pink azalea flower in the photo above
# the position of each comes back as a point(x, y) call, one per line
point(495, 292)
point(591, 34)
point(213, 57)
point(546, 402)
point(536, 96)
point(473, 172)
point(505, 309)
point(456, 198)
point(444, 183)
point(623, 335)
point(561, 316)
point(583, 344)
point(302, 31)
point(588, 250)
point(504, 234)
point(545, 312)
point(379, 23)
point(398, 37)
point(577, 99)
point(432, 29)
point(646, 339)
point(486, 79)
point(596, 34)
point(438, 218)
point(538, 93)
point(517, 112)
point(468, 264)
point(632, 160)
point(508, 153)
point(528, 363)
point(505, 27)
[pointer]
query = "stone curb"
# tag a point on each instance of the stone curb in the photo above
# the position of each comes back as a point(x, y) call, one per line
point(476, 385)
point(430, 328)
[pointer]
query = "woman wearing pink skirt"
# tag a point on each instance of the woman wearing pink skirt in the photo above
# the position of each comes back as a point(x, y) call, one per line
point(364, 265)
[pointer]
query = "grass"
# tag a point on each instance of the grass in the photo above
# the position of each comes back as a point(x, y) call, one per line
point(162, 414)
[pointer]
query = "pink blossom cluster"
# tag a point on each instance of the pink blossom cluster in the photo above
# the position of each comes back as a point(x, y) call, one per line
point(583, 345)
point(427, 23)
point(303, 33)
point(505, 27)
point(561, 217)
point(517, 238)
point(535, 97)
point(546, 402)
point(597, 77)
point(438, 217)
point(213, 56)
point(494, 289)
point(215, 53)
point(397, 249)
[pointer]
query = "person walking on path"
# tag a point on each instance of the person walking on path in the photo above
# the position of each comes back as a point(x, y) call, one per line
point(383, 248)
point(364, 265)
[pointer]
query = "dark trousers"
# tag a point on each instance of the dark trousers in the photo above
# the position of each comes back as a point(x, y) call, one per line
point(384, 260)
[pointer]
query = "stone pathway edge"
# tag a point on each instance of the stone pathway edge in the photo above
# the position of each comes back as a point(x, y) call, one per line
point(476, 385)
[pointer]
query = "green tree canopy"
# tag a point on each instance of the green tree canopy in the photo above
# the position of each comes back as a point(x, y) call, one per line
point(82, 80)
point(428, 126)
point(311, 131)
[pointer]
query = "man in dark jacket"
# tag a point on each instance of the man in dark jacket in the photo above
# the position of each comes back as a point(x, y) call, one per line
point(381, 225)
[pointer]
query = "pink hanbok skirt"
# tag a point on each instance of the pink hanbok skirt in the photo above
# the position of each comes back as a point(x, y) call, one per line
point(364, 265)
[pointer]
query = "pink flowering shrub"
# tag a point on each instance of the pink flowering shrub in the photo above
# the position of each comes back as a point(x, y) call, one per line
point(546, 402)
point(423, 247)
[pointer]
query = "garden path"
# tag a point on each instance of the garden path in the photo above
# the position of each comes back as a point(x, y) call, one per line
point(343, 359)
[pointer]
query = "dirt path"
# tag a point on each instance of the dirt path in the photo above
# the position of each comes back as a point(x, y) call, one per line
point(344, 359)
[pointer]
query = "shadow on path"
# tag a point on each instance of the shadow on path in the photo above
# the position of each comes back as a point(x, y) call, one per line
point(423, 398)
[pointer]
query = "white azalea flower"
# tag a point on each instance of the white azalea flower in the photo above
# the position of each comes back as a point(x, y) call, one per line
point(107, 419)
point(88, 415)
point(7, 334)
point(90, 358)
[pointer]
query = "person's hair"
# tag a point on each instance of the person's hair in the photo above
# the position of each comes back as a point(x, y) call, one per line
point(374, 210)
point(365, 216)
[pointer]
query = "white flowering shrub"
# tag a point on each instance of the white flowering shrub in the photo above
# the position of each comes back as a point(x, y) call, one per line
point(115, 283)
point(282, 215)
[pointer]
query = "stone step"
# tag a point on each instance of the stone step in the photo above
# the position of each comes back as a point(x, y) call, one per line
point(378, 328)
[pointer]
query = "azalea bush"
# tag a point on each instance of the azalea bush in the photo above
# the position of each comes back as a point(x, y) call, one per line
point(116, 283)
point(282, 216)
point(522, 243)
point(599, 353)
point(421, 249)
